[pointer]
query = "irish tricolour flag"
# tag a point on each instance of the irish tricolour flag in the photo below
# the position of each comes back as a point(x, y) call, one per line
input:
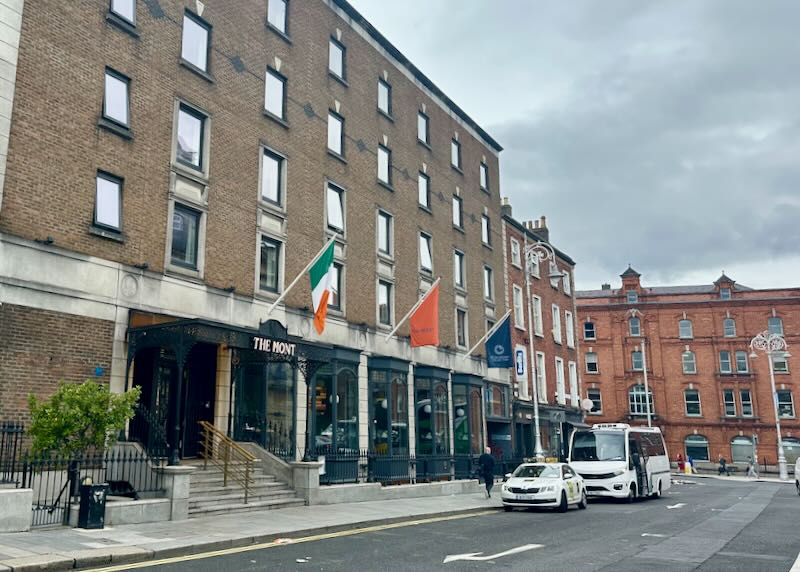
point(321, 274)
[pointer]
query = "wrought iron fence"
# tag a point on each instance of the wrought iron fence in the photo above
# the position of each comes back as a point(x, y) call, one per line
point(271, 435)
point(386, 469)
point(149, 430)
point(465, 466)
point(433, 467)
point(55, 480)
point(341, 466)
point(11, 434)
point(505, 465)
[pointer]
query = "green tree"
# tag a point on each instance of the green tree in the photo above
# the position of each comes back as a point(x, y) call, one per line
point(79, 417)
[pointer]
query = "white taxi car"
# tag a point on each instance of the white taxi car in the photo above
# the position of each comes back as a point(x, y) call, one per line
point(543, 484)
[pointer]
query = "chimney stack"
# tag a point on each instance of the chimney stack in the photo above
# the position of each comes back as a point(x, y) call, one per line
point(505, 208)
point(605, 286)
point(541, 229)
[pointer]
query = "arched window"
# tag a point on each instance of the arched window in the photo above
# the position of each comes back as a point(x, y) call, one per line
point(791, 448)
point(637, 402)
point(741, 449)
point(635, 327)
point(685, 329)
point(689, 363)
point(729, 327)
point(696, 447)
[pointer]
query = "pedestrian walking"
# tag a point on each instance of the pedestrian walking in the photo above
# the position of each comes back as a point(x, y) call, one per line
point(690, 470)
point(680, 463)
point(752, 471)
point(486, 462)
point(723, 466)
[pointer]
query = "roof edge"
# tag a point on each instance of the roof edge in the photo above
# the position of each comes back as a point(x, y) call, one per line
point(415, 71)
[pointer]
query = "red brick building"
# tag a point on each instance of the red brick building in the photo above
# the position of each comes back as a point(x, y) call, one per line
point(709, 396)
point(544, 338)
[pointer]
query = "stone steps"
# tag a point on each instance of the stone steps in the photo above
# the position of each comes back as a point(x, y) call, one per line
point(207, 495)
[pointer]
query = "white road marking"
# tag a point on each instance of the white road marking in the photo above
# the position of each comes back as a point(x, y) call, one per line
point(475, 556)
point(796, 566)
point(654, 535)
point(678, 505)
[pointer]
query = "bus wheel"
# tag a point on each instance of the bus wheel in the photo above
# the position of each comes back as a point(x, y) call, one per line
point(657, 494)
point(563, 506)
point(631, 494)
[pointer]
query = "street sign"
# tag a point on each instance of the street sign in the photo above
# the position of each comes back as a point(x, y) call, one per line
point(521, 364)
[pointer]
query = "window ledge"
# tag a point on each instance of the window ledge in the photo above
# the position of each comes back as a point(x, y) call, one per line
point(115, 128)
point(520, 328)
point(456, 169)
point(385, 185)
point(485, 190)
point(592, 373)
point(589, 339)
point(425, 273)
point(266, 295)
point(277, 119)
point(487, 245)
point(426, 209)
point(336, 155)
point(122, 24)
point(282, 35)
point(385, 257)
point(459, 228)
point(184, 272)
point(194, 69)
point(385, 115)
point(460, 289)
point(103, 232)
point(272, 208)
point(192, 173)
point(339, 79)
point(539, 334)
point(424, 144)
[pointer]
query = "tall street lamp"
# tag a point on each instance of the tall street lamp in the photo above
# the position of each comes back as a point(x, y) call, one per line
point(534, 254)
point(773, 345)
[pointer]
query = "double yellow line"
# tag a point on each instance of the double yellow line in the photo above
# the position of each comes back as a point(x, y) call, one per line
point(265, 545)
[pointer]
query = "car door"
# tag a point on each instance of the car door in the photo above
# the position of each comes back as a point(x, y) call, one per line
point(568, 479)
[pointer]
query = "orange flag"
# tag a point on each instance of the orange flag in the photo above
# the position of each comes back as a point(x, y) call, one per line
point(425, 321)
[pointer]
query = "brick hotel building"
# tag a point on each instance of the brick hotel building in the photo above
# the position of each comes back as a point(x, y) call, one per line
point(544, 341)
point(167, 167)
point(709, 396)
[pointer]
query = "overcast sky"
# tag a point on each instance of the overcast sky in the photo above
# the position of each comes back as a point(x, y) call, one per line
point(664, 133)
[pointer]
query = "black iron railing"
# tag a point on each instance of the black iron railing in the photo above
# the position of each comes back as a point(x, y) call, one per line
point(393, 469)
point(11, 434)
point(271, 435)
point(149, 430)
point(55, 480)
point(341, 466)
point(433, 467)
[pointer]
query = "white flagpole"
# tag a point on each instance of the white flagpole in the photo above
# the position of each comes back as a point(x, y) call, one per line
point(489, 333)
point(303, 271)
point(414, 307)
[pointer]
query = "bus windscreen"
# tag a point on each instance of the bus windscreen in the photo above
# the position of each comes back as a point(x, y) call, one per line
point(597, 446)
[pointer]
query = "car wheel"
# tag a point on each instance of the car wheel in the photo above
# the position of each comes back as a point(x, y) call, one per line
point(583, 503)
point(631, 494)
point(797, 484)
point(508, 508)
point(563, 506)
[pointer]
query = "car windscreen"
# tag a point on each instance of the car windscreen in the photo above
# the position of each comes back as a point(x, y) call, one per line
point(598, 446)
point(537, 471)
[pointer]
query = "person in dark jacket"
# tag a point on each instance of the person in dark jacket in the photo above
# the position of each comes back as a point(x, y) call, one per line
point(486, 462)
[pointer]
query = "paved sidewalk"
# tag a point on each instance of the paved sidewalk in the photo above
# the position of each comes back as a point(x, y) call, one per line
point(66, 548)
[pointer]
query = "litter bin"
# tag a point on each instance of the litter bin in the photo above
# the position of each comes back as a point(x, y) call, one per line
point(92, 510)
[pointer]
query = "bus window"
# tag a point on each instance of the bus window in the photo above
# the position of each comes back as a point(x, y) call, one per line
point(598, 446)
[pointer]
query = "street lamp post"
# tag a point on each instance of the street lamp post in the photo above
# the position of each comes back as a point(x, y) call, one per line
point(542, 252)
point(773, 344)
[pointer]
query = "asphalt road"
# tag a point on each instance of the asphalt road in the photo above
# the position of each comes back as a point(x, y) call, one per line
point(708, 525)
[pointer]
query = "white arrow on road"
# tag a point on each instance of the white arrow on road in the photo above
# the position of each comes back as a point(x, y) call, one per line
point(678, 505)
point(475, 556)
point(654, 535)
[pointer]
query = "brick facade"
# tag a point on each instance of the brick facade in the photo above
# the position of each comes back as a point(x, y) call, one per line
point(659, 311)
point(554, 411)
point(40, 348)
point(49, 188)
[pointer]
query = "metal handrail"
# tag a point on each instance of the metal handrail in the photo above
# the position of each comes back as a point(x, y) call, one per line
point(234, 460)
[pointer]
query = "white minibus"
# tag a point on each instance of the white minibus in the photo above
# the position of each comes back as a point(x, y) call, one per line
point(617, 460)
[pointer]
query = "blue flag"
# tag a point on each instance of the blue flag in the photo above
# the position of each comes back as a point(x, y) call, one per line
point(498, 346)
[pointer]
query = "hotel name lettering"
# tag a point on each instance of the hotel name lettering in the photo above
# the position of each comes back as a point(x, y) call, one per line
point(274, 346)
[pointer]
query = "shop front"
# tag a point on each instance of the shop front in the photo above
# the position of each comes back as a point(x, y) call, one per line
point(334, 426)
point(241, 381)
point(467, 411)
point(498, 420)
point(432, 409)
point(389, 456)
